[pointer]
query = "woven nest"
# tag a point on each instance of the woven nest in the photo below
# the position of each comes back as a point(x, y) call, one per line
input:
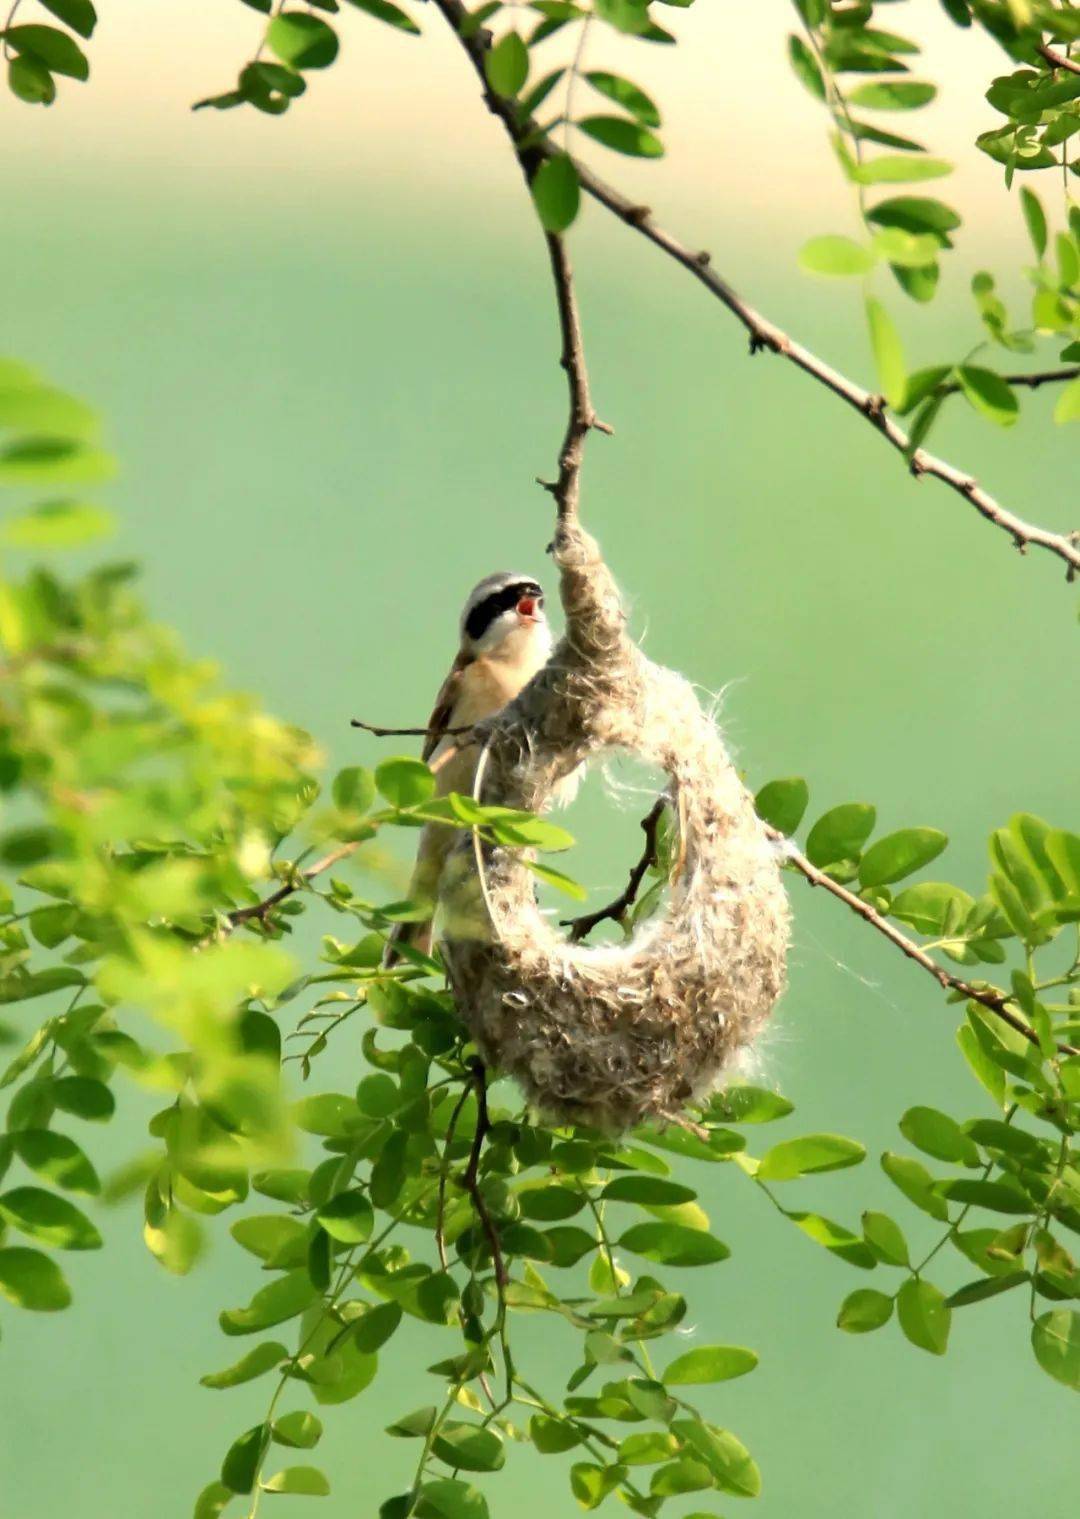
point(613, 1035)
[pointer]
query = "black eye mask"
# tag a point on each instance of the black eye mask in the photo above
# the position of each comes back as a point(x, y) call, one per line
point(485, 612)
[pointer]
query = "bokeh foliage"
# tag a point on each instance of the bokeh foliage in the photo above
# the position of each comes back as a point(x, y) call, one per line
point(165, 840)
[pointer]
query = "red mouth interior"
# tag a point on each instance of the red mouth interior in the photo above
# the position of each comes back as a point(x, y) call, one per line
point(527, 606)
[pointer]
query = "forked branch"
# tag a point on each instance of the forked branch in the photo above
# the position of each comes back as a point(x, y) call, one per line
point(530, 147)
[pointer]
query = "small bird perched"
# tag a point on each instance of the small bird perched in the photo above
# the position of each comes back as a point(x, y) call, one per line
point(505, 639)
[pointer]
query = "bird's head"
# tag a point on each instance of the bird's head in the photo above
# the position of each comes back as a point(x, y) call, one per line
point(505, 612)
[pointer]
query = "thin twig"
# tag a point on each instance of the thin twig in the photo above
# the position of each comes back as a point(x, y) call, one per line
point(531, 147)
point(989, 997)
point(1030, 381)
point(261, 909)
point(582, 418)
point(471, 1183)
point(355, 722)
point(1058, 60)
point(440, 1211)
point(581, 927)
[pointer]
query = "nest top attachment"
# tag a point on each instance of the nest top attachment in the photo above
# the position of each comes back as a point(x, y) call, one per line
point(614, 1035)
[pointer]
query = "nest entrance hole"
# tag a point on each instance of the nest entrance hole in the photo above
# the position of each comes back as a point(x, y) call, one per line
point(615, 792)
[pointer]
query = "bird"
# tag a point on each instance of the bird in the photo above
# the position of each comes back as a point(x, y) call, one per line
point(504, 640)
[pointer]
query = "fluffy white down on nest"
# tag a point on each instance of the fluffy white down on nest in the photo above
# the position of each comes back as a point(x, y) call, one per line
point(614, 1035)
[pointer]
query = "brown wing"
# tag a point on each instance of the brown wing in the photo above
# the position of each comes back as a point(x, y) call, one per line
point(439, 720)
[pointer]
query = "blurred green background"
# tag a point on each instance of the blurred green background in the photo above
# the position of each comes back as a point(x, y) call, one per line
point(331, 399)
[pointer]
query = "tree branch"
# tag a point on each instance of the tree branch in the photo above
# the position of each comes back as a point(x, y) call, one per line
point(355, 722)
point(989, 997)
point(261, 909)
point(530, 148)
point(581, 927)
point(1029, 381)
point(1058, 60)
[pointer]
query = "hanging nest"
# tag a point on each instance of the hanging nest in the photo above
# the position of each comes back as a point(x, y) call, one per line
point(614, 1035)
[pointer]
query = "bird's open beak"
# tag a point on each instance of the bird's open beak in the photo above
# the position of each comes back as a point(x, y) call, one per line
point(526, 609)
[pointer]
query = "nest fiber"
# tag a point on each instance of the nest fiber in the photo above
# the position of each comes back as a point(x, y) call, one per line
point(614, 1035)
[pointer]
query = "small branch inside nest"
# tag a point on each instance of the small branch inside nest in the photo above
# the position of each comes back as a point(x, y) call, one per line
point(581, 927)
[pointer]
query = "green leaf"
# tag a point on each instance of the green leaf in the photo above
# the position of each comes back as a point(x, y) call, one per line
point(383, 10)
point(552, 1436)
point(864, 1310)
point(900, 854)
point(989, 394)
point(371, 1331)
point(468, 1447)
point(651, 1191)
point(731, 1464)
point(244, 1457)
point(916, 1183)
point(986, 1287)
point(1055, 1339)
point(83, 1097)
point(30, 81)
point(813, 1153)
point(1035, 217)
point(1067, 408)
point(674, 1244)
point(50, 46)
point(507, 65)
point(300, 1430)
point(630, 16)
point(939, 1135)
point(886, 1239)
point(54, 461)
point(896, 169)
point(354, 787)
point(31, 1280)
point(80, 15)
point(892, 95)
point(782, 803)
point(924, 1315)
point(591, 1484)
point(549, 1202)
point(306, 1481)
point(622, 136)
point(404, 782)
point(259, 1360)
point(888, 353)
point(302, 41)
point(840, 833)
point(328, 1113)
point(629, 96)
point(281, 1299)
point(805, 67)
point(646, 1449)
point(269, 1235)
point(212, 1501)
point(562, 882)
point(709, 1363)
point(48, 1218)
point(999, 1196)
point(835, 255)
point(378, 1095)
point(933, 907)
point(59, 525)
point(57, 1158)
point(749, 1104)
point(835, 1238)
point(556, 191)
point(916, 214)
point(451, 1499)
point(348, 1217)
